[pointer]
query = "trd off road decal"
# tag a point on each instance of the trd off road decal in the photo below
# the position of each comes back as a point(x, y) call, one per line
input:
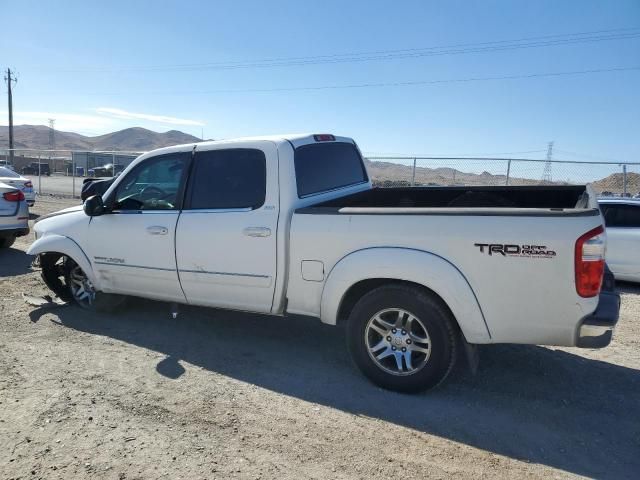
point(109, 260)
point(507, 250)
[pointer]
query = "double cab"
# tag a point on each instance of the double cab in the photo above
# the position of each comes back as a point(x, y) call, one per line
point(292, 225)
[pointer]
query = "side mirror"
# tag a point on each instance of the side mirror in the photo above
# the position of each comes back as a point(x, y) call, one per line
point(93, 206)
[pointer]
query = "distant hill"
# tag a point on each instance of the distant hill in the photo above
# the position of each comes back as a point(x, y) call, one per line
point(384, 173)
point(134, 139)
point(615, 182)
point(139, 139)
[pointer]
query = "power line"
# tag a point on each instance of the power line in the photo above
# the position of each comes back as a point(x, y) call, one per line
point(455, 49)
point(584, 155)
point(409, 83)
point(389, 56)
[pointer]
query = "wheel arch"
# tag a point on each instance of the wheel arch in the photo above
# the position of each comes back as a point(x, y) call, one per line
point(364, 270)
point(64, 245)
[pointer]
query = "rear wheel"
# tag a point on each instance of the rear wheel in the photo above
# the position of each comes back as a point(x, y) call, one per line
point(6, 242)
point(402, 338)
point(83, 292)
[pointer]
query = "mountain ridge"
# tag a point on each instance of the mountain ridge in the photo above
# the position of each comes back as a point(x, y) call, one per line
point(137, 139)
point(134, 139)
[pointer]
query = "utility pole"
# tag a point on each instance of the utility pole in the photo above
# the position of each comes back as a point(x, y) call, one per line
point(546, 175)
point(10, 78)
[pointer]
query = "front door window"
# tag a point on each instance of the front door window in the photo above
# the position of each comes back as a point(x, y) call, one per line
point(152, 185)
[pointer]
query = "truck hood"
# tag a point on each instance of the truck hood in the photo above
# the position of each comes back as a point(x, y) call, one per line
point(64, 211)
point(70, 222)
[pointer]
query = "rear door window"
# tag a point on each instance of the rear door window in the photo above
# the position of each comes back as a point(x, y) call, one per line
point(621, 215)
point(230, 178)
point(321, 167)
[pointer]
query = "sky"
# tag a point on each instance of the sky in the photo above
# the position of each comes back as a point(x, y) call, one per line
point(405, 78)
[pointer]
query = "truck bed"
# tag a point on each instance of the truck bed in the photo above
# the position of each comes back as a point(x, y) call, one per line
point(550, 200)
point(539, 225)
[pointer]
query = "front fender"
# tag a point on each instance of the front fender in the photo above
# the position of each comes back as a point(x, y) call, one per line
point(65, 245)
point(417, 266)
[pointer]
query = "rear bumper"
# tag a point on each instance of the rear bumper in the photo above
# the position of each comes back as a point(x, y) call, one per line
point(596, 330)
point(14, 232)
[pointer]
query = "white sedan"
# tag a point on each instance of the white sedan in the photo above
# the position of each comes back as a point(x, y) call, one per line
point(9, 177)
point(622, 219)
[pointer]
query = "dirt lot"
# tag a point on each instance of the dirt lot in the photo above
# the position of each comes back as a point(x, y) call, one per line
point(215, 394)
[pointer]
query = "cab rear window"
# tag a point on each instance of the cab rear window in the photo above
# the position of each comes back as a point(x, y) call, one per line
point(321, 167)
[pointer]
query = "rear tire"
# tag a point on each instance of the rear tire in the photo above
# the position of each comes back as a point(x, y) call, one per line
point(6, 242)
point(402, 338)
point(84, 294)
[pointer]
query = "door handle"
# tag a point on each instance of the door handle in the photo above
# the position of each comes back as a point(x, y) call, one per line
point(257, 231)
point(157, 230)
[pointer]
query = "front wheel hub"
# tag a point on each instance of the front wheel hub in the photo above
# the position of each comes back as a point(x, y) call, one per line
point(80, 286)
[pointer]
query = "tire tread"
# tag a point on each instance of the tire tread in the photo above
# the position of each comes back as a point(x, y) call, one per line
point(429, 300)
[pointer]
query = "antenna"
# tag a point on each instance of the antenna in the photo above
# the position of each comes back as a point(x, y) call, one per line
point(546, 175)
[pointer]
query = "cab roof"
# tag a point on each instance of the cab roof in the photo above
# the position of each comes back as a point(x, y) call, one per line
point(295, 139)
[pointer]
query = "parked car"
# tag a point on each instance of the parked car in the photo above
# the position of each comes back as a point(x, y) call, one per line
point(14, 179)
point(93, 186)
point(7, 164)
point(35, 168)
point(14, 215)
point(622, 220)
point(292, 225)
point(105, 170)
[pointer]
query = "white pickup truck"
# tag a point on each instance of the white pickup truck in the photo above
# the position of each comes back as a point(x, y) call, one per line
point(291, 225)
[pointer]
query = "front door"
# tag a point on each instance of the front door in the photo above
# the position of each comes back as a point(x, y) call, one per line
point(226, 236)
point(132, 247)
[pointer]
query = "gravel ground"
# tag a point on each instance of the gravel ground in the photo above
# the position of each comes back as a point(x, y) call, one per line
point(57, 185)
point(215, 394)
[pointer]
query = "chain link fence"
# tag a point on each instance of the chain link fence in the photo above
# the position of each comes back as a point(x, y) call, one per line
point(62, 172)
point(607, 178)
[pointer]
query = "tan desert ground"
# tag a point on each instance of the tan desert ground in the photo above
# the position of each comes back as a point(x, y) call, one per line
point(216, 394)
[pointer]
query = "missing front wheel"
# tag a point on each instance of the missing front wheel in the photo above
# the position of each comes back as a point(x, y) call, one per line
point(53, 274)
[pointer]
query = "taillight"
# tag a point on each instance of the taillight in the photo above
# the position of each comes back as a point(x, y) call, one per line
point(16, 196)
point(28, 184)
point(589, 262)
point(324, 137)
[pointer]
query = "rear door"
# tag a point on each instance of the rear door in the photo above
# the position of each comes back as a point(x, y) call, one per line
point(226, 235)
point(623, 239)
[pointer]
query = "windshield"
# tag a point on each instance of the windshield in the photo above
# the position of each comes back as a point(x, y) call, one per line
point(5, 172)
